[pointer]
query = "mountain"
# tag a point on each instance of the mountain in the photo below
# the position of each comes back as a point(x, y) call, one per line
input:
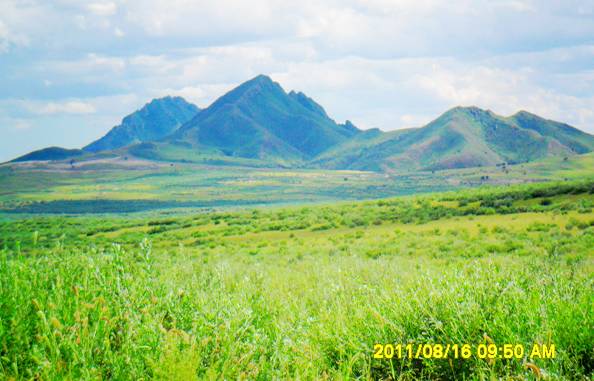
point(258, 124)
point(259, 120)
point(461, 137)
point(154, 121)
point(50, 153)
point(578, 141)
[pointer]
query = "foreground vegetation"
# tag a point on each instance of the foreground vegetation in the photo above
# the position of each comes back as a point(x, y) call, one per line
point(304, 292)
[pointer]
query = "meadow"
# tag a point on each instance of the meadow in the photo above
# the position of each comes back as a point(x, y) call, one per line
point(304, 292)
point(122, 186)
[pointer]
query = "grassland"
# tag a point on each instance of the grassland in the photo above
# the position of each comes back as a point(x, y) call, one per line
point(117, 185)
point(304, 292)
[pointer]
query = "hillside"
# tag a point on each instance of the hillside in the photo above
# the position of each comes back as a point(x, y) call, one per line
point(571, 137)
point(50, 153)
point(460, 138)
point(259, 120)
point(154, 121)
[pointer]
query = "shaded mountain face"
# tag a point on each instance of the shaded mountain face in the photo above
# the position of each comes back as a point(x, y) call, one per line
point(259, 120)
point(154, 121)
point(462, 137)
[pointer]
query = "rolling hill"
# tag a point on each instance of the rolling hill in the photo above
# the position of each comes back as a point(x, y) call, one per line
point(461, 137)
point(50, 153)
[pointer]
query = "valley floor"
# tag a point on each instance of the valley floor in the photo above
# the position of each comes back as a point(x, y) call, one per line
point(128, 186)
point(304, 292)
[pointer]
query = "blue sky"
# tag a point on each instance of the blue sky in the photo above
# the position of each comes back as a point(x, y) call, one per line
point(70, 70)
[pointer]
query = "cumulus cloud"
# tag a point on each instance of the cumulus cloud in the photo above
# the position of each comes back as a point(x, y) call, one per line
point(8, 39)
point(71, 107)
point(103, 8)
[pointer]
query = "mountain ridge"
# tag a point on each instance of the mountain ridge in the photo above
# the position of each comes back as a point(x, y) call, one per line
point(462, 137)
point(259, 124)
point(155, 120)
point(258, 119)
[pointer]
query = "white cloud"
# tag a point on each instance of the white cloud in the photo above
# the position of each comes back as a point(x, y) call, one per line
point(20, 124)
point(399, 93)
point(202, 95)
point(91, 68)
point(70, 107)
point(7, 38)
point(506, 91)
point(206, 18)
point(103, 8)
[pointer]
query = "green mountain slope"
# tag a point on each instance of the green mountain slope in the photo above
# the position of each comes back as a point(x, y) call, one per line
point(259, 120)
point(460, 138)
point(571, 137)
point(367, 144)
point(154, 121)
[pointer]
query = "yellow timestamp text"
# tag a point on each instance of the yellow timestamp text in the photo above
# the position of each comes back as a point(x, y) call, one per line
point(462, 351)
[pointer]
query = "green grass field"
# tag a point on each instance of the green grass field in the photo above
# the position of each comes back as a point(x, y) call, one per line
point(304, 292)
point(116, 186)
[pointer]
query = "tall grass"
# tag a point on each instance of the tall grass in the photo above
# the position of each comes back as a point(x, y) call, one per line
point(299, 303)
